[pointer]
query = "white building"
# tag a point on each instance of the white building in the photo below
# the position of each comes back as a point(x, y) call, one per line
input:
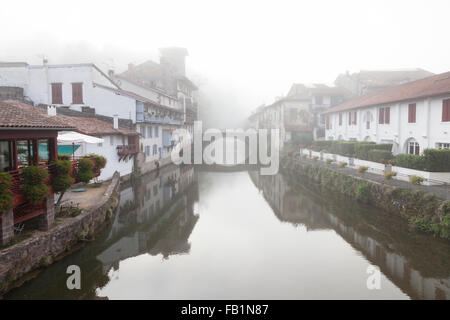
point(298, 114)
point(413, 116)
point(84, 87)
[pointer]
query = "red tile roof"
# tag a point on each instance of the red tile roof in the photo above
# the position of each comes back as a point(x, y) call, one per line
point(427, 87)
point(14, 114)
point(96, 127)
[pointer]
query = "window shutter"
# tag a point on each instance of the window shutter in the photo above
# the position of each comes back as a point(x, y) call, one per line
point(349, 118)
point(387, 115)
point(412, 113)
point(446, 110)
point(381, 116)
point(340, 119)
point(354, 121)
point(57, 93)
point(77, 93)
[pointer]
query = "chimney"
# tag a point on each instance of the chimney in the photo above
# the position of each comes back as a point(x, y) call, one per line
point(51, 110)
point(116, 122)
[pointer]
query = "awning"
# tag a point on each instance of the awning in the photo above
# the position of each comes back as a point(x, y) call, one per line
point(75, 137)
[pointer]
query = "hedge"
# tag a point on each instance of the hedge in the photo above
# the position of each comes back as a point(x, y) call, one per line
point(362, 149)
point(5, 192)
point(344, 148)
point(411, 161)
point(437, 160)
point(381, 156)
point(432, 160)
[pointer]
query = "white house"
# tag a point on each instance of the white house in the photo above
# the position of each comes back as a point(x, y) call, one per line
point(115, 147)
point(413, 116)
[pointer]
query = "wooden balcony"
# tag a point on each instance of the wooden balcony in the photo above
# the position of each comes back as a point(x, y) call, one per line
point(127, 150)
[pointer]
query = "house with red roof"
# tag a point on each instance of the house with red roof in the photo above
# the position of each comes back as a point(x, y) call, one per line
point(412, 116)
point(27, 138)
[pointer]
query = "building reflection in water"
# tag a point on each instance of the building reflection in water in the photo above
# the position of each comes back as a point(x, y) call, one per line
point(416, 263)
point(156, 215)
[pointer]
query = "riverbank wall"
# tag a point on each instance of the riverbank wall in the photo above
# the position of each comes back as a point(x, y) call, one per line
point(45, 247)
point(423, 211)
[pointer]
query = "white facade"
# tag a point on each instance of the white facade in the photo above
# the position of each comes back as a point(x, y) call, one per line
point(37, 84)
point(428, 130)
point(108, 149)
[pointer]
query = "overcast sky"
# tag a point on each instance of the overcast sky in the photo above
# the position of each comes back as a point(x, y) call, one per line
point(244, 52)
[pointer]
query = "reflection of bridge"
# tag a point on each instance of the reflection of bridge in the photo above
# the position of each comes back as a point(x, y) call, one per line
point(423, 272)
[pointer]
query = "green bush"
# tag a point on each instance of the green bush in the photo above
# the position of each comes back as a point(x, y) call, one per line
point(5, 192)
point(362, 149)
point(437, 160)
point(34, 175)
point(389, 175)
point(411, 161)
point(344, 148)
point(99, 162)
point(329, 161)
point(85, 170)
point(381, 156)
point(305, 138)
point(64, 157)
point(416, 180)
point(35, 190)
point(363, 169)
point(62, 180)
point(342, 164)
point(322, 144)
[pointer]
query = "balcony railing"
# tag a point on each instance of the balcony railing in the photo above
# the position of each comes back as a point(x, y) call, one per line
point(127, 150)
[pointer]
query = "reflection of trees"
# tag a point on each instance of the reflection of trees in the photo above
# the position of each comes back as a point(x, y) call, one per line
point(417, 263)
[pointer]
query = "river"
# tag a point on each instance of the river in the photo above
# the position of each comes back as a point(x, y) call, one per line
point(187, 233)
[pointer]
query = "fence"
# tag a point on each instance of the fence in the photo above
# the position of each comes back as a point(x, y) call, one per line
point(403, 174)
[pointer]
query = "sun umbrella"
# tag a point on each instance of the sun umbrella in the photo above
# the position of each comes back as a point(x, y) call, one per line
point(75, 137)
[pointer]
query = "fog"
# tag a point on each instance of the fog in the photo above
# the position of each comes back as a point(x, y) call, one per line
point(241, 53)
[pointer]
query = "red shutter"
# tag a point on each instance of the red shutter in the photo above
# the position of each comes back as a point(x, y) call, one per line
point(387, 115)
point(381, 116)
point(412, 113)
point(327, 122)
point(446, 110)
point(57, 93)
point(77, 93)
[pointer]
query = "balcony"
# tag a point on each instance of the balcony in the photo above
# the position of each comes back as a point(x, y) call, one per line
point(145, 117)
point(128, 150)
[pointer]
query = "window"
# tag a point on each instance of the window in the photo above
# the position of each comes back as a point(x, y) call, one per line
point(143, 131)
point(349, 118)
point(413, 147)
point(155, 190)
point(446, 110)
point(155, 149)
point(381, 116)
point(354, 117)
point(147, 151)
point(387, 115)
point(111, 140)
point(150, 131)
point(327, 122)
point(156, 131)
point(6, 162)
point(340, 119)
point(440, 145)
point(412, 113)
point(384, 116)
point(57, 93)
point(77, 93)
point(43, 151)
point(24, 153)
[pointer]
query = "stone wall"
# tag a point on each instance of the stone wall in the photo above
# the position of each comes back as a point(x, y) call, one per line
point(44, 247)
